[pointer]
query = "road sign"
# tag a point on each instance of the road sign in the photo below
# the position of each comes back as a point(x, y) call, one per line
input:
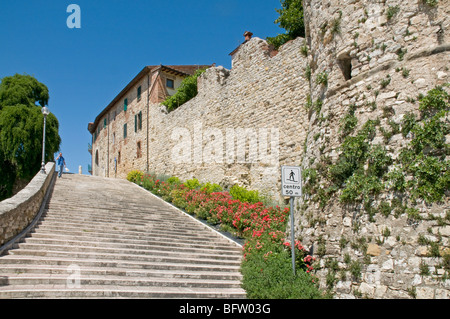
point(291, 181)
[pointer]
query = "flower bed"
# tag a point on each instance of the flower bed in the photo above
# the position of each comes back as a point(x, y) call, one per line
point(266, 268)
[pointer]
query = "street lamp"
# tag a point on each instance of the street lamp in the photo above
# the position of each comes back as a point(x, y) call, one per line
point(46, 112)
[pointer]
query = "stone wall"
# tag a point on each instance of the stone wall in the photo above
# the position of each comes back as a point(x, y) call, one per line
point(17, 212)
point(261, 98)
point(379, 57)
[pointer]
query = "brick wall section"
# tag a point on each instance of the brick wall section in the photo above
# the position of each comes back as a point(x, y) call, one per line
point(18, 212)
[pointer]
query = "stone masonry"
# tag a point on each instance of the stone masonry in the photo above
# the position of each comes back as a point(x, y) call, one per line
point(17, 212)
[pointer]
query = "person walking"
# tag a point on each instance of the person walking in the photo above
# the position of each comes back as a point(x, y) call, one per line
point(61, 163)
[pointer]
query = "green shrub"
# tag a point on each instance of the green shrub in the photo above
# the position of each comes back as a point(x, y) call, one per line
point(244, 195)
point(409, 121)
point(322, 78)
point(174, 180)
point(192, 183)
point(267, 271)
point(211, 188)
point(186, 91)
point(436, 100)
point(379, 161)
point(135, 176)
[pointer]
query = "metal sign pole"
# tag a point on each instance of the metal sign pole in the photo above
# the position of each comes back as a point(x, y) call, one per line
point(291, 185)
point(292, 234)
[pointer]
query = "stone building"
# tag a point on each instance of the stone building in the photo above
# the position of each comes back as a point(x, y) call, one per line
point(119, 133)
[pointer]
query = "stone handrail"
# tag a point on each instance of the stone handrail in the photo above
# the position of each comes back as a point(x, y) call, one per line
point(19, 211)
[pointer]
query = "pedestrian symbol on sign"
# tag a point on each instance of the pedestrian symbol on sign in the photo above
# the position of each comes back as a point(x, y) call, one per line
point(292, 176)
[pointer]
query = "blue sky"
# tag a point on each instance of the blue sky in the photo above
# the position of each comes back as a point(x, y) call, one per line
point(86, 68)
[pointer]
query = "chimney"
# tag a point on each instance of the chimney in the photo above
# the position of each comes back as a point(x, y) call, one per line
point(248, 35)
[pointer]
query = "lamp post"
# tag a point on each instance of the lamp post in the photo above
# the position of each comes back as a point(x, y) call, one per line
point(46, 112)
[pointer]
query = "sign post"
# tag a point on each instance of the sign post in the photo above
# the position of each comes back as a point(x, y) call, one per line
point(291, 185)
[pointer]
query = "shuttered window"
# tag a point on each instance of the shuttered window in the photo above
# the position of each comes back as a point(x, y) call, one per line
point(140, 121)
point(135, 123)
point(125, 104)
point(125, 130)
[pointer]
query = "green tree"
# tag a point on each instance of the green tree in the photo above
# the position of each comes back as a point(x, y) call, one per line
point(292, 20)
point(21, 127)
point(22, 90)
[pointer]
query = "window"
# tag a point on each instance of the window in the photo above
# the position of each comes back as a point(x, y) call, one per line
point(96, 157)
point(125, 105)
point(170, 83)
point(138, 150)
point(125, 130)
point(139, 92)
point(138, 122)
point(105, 123)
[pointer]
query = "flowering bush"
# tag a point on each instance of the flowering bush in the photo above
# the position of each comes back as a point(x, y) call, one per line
point(267, 255)
point(135, 176)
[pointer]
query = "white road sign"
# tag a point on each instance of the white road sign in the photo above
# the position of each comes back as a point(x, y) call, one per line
point(291, 181)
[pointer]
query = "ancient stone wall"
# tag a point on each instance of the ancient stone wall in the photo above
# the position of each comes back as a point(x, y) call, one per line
point(243, 124)
point(379, 57)
point(17, 212)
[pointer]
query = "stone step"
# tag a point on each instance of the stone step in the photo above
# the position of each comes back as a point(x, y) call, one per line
point(150, 240)
point(193, 259)
point(156, 223)
point(40, 260)
point(11, 270)
point(181, 247)
point(132, 251)
point(103, 280)
point(107, 229)
point(114, 292)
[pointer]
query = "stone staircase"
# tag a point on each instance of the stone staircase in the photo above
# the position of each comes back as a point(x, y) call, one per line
point(106, 238)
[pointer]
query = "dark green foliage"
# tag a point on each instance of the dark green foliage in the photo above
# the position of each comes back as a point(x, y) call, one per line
point(425, 158)
point(435, 101)
point(270, 277)
point(379, 161)
point(21, 130)
point(244, 195)
point(186, 91)
point(291, 19)
point(409, 120)
point(22, 90)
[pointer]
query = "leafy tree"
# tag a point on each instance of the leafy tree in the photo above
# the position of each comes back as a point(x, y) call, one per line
point(21, 127)
point(24, 90)
point(292, 20)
